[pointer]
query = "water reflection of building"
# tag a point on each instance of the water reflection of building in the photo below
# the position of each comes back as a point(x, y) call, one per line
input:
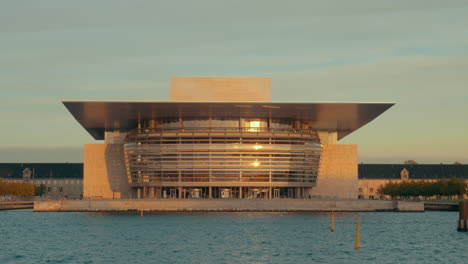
point(221, 138)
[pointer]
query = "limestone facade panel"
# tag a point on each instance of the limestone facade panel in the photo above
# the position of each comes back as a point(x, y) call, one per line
point(338, 172)
point(104, 172)
point(220, 89)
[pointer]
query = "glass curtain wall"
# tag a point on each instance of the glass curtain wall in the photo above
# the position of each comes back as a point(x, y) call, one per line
point(221, 150)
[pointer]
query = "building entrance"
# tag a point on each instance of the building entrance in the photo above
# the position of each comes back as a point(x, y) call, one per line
point(173, 193)
point(258, 193)
point(276, 193)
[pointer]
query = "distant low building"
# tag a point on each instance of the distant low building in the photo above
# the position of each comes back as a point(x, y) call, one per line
point(65, 180)
point(373, 176)
point(59, 180)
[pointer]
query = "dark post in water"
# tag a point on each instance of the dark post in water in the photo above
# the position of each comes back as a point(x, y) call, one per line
point(462, 221)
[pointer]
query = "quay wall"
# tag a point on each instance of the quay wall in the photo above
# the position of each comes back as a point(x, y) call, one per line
point(405, 206)
point(226, 205)
point(13, 205)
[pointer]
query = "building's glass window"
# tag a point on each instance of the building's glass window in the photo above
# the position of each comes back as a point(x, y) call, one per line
point(224, 123)
point(371, 190)
point(281, 124)
point(254, 125)
point(360, 190)
point(169, 123)
point(195, 122)
point(229, 156)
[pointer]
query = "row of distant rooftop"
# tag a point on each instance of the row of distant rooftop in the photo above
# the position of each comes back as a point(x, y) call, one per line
point(366, 171)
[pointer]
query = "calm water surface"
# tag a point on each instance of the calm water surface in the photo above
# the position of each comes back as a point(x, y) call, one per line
point(431, 237)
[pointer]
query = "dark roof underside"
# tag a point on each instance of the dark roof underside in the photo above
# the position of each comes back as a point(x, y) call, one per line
point(416, 172)
point(42, 170)
point(96, 117)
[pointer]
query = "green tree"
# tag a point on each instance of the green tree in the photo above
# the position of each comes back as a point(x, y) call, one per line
point(40, 190)
point(441, 187)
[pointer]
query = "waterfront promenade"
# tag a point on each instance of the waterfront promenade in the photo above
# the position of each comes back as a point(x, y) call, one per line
point(227, 205)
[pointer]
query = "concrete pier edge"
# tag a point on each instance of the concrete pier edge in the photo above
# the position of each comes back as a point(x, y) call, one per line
point(227, 205)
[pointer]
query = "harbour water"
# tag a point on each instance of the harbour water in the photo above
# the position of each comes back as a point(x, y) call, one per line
point(386, 237)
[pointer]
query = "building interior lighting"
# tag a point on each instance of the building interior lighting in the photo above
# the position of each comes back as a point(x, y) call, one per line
point(254, 126)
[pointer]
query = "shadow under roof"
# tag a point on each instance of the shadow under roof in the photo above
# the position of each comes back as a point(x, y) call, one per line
point(99, 116)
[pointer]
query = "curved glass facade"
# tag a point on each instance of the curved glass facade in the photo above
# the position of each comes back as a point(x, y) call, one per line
point(221, 154)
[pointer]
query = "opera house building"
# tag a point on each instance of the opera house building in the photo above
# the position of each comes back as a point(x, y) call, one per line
point(221, 138)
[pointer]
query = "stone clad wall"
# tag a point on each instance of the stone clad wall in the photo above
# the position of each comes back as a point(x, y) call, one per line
point(404, 206)
point(104, 172)
point(338, 172)
point(220, 89)
point(47, 206)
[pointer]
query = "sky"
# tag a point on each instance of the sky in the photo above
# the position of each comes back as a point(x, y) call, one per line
point(414, 53)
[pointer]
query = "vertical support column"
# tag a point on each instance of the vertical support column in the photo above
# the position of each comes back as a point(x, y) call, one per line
point(240, 192)
point(297, 124)
point(332, 137)
point(463, 217)
point(210, 194)
point(138, 193)
point(270, 195)
point(210, 164)
point(328, 137)
point(241, 132)
point(180, 192)
point(269, 160)
point(178, 168)
point(153, 123)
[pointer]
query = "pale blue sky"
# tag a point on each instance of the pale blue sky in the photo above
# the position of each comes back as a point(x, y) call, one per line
point(413, 52)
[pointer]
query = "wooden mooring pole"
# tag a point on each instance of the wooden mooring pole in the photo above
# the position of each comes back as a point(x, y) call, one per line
point(358, 227)
point(332, 225)
point(463, 217)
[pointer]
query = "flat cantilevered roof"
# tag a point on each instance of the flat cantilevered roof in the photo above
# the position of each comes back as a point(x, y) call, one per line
point(99, 116)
